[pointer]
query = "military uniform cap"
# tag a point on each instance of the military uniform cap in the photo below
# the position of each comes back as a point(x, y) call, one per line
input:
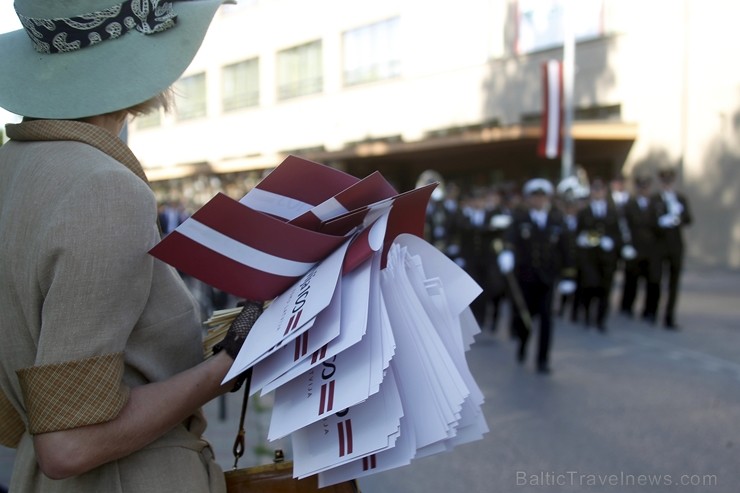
point(537, 185)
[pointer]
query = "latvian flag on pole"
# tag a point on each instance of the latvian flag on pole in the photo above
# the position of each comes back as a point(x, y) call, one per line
point(552, 113)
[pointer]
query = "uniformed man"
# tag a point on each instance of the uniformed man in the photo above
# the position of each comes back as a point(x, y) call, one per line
point(599, 240)
point(574, 194)
point(481, 226)
point(641, 269)
point(536, 253)
point(618, 192)
point(497, 221)
point(475, 249)
point(670, 212)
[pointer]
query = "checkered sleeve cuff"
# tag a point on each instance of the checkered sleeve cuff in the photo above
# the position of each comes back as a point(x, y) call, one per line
point(74, 393)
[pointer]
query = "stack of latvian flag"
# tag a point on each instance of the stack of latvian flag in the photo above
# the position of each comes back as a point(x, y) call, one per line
point(365, 337)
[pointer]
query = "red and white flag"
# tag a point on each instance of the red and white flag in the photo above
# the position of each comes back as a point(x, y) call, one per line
point(550, 144)
point(242, 251)
point(295, 187)
point(251, 249)
point(369, 190)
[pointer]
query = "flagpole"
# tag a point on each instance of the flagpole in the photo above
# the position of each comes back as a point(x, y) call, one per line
point(568, 76)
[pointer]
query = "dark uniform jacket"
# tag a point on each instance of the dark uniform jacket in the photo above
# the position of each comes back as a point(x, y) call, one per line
point(439, 227)
point(495, 242)
point(670, 239)
point(541, 254)
point(642, 227)
point(475, 243)
point(596, 265)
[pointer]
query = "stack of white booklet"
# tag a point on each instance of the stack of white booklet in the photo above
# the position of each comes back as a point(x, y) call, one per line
point(364, 341)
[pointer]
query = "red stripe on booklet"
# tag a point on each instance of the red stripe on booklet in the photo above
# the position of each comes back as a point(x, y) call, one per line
point(340, 434)
point(304, 346)
point(293, 322)
point(301, 346)
point(297, 351)
point(344, 432)
point(348, 425)
point(319, 354)
point(369, 463)
point(322, 403)
point(330, 397)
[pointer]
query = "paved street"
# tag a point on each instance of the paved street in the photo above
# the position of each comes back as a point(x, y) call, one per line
point(637, 409)
point(637, 401)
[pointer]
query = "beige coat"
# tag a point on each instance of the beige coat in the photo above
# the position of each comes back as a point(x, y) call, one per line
point(86, 313)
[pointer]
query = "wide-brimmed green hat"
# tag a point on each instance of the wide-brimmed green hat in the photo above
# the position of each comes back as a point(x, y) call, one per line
point(81, 58)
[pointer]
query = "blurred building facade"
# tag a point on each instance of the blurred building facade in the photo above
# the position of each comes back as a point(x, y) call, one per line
point(402, 86)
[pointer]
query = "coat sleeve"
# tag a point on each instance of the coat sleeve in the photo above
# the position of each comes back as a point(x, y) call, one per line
point(94, 273)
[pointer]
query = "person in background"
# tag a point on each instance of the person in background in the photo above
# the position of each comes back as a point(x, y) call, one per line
point(536, 251)
point(618, 192)
point(497, 221)
point(670, 214)
point(171, 215)
point(599, 241)
point(640, 270)
point(102, 372)
point(475, 250)
point(443, 220)
point(619, 195)
point(436, 218)
point(573, 193)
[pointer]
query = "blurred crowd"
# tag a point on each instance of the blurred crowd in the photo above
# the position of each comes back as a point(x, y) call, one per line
point(556, 249)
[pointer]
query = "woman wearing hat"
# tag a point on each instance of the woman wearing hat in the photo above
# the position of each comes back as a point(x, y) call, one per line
point(101, 369)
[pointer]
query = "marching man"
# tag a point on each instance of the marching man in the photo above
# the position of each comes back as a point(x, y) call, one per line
point(600, 241)
point(671, 214)
point(536, 260)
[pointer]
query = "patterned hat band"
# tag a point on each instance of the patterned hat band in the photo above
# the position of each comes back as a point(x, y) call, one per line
point(74, 33)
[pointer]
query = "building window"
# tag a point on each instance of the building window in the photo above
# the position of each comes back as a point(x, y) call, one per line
point(299, 71)
point(240, 85)
point(372, 52)
point(191, 97)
